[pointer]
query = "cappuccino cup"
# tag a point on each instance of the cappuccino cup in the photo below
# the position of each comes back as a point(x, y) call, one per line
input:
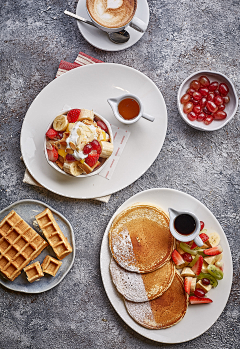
point(114, 15)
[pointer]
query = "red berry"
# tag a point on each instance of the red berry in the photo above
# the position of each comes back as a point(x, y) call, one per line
point(223, 89)
point(218, 100)
point(205, 281)
point(204, 81)
point(198, 300)
point(213, 86)
point(220, 115)
point(210, 96)
point(177, 258)
point(188, 107)
point(92, 159)
point(102, 125)
point(197, 109)
point(190, 91)
point(198, 266)
point(194, 101)
point(87, 148)
point(206, 111)
point(197, 96)
point(185, 98)
point(96, 146)
point(221, 107)
point(192, 116)
point(201, 225)
point(70, 158)
point(187, 284)
point(195, 85)
point(211, 106)
point(203, 102)
point(226, 99)
point(203, 91)
point(52, 154)
point(199, 293)
point(73, 115)
point(208, 120)
point(52, 134)
point(187, 257)
point(216, 92)
point(214, 251)
point(202, 116)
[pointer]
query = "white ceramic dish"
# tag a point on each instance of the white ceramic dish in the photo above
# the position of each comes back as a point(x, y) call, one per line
point(28, 209)
point(104, 161)
point(91, 86)
point(99, 39)
point(230, 109)
point(198, 318)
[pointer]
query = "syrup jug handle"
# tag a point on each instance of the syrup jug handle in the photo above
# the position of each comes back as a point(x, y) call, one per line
point(148, 117)
point(198, 241)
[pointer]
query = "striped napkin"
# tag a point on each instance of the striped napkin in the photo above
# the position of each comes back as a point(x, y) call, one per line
point(82, 59)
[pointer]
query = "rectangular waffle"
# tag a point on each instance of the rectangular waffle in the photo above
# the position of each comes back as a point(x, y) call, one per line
point(53, 234)
point(19, 245)
point(33, 271)
point(50, 265)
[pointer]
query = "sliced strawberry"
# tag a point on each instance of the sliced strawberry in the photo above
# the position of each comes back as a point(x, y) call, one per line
point(198, 266)
point(177, 258)
point(73, 115)
point(213, 251)
point(201, 225)
point(92, 158)
point(187, 284)
point(52, 154)
point(52, 134)
point(197, 300)
point(204, 238)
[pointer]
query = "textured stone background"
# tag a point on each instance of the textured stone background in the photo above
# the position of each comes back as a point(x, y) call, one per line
point(183, 36)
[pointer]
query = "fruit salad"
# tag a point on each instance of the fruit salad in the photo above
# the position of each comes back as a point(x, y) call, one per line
point(78, 142)
point(202, 268)
point(205, 101)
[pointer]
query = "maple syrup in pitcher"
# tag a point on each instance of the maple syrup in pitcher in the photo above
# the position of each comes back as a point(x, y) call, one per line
point(184, 224)
point(128, 108)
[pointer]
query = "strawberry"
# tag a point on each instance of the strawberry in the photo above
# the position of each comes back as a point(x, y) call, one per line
point(177, 258)
point(201, 225)
point(213, 251)
point(96, 146)
point(198, 266)
point(187, 284)
point(52, 154)
point(73, 115)
point(204, 238)
point(52, 134)
point(92, 158)
point(197, 300)
point(102, 125)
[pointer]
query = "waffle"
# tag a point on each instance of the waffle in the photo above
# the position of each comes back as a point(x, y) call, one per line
point(33, 271)
point(50, 265)
point(19, 245)
point(53, 234)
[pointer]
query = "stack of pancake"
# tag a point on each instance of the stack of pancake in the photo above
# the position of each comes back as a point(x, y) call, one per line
point(141, 268)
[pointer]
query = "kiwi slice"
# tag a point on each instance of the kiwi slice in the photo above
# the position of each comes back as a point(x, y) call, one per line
point(191, 264)
point(210, 277)
point(187, 249)
point(215, 271)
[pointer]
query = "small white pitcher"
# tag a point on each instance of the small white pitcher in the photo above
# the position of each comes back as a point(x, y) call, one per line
point(185, 238)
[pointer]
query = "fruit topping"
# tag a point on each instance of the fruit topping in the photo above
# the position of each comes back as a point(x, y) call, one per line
point(70, 158)
point(73, 115)
point(214, 239)
point(92, 158)
point(177, 258)
point(204, 238)
point(215, 271)
point(210, 277)
point(219, 264)
point(198, 266)
point(187, 284)
point(187, 257)
point(197, 300)
point(205, 281)
point(187, 249)
point(52, 154)
point(96, 146)
point(201, 225)
point(199, 293)
point(87, 149)
point(52, 134)
point(213, 251)
point(194, 261)
point(102, 125)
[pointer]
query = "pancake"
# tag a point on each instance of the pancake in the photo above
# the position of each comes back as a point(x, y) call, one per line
point(140, 239)
point(142, 287)
point(164, 311)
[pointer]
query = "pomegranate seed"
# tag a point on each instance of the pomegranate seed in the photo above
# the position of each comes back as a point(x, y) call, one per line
point(194, 101)
point(190, 91)
point(206, 111)
point(197, 109)
point(185, 98)
point(87, 149)
point(192, 116)
point(223, 89)
point(219, 115)
point(221, 107)
point(195, 85)
point(187, 257)
point(211, 107)
point(204, 81)
point(210, 96)
point(197, 96)
point(213, 86)
point(203, 91)
point(226, 99)
point(201, 225)
point(218, 100)
point(70, 158)
point(199, 293)
point(216, 92)
point(208, 120)
point(203, 102)
point(202, 116)
point(188, 107)
point(205, 281)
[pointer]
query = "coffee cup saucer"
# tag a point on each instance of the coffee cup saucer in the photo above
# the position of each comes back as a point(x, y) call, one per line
point(99, 39)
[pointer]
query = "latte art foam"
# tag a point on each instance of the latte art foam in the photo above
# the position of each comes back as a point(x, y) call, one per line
point(112, 13)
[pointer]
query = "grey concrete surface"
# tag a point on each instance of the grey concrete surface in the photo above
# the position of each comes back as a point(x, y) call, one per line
point(183, 36)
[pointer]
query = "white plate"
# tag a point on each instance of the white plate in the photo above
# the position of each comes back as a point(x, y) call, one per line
point(198, 318)
point(28, 209)
point(100, 39)
point(89, 87)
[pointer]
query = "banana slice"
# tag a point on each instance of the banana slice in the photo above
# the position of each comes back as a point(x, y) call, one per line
point(86, 114)
point(214, 239)
point(60, 123)
point(193, 285)
point(72, 168)
point(107, 149)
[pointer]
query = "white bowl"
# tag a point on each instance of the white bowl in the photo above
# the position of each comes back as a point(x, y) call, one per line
point(102, 160)
point(230, 109)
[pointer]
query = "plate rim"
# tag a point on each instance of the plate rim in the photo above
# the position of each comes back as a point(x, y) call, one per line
point(105, 240)
point(73, 241)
